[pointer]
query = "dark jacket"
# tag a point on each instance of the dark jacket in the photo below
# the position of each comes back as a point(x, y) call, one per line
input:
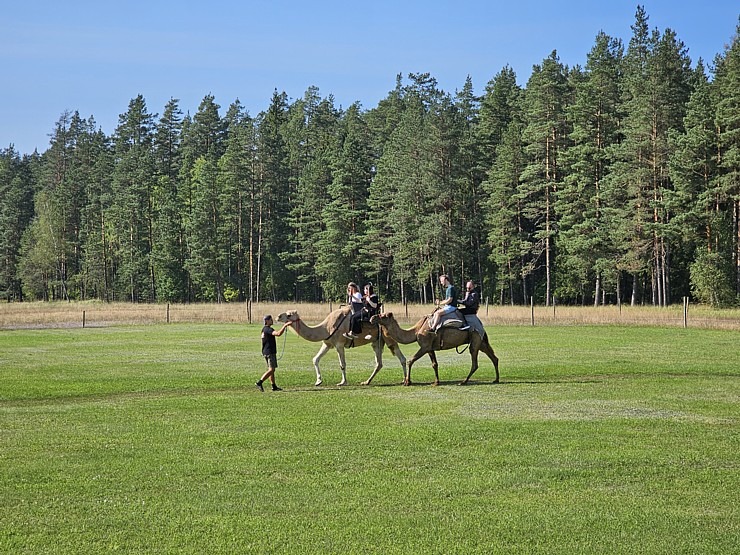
point(470, 303)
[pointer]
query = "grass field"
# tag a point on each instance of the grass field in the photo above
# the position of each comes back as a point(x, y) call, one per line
point(153, 439)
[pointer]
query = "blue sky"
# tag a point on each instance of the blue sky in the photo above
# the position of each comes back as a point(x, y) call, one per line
point(95, 56)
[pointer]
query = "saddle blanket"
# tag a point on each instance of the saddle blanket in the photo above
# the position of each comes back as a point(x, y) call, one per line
point(453, 320)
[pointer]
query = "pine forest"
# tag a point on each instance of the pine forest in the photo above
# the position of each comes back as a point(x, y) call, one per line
point(615, 182)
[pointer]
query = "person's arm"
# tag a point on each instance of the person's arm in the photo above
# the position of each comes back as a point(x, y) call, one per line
point(448, 297)
point(285, 325)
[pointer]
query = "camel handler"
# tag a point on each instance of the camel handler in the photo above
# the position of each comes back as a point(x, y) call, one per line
point(269, 351)
point(447, 305)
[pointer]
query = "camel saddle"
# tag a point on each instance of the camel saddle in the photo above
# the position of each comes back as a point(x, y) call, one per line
point(458, 320)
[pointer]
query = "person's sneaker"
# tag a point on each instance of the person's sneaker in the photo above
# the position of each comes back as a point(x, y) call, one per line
point(259, 386)
point(276, 388)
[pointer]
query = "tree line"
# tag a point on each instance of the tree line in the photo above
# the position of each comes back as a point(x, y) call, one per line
point(614, 182)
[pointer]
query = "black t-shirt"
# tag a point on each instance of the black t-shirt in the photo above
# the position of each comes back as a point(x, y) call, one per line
point(269, 346)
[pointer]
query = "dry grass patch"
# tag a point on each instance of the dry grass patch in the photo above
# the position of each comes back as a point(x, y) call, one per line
point(97, 314)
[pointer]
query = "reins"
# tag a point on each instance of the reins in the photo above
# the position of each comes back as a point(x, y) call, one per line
point(336, 329)
point(284, 340)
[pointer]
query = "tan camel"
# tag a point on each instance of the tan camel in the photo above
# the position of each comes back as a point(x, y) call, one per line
point(445, 338)
point(331, 332)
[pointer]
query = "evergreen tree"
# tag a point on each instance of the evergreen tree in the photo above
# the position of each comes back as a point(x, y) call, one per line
point(727, 184)
point(376, 250)
point(340, 254)
point(468, 196)
point(544, 136)
point(311, 131)
point(206, 261)
point(168, 249)
point(131, 212)
point(497, 109)
point(62, 183)
point(586, 252)
point(505, 223)
point(271, 230)
point(656, 88)
point(236, 179)
point(96, 273)
point(16, 212)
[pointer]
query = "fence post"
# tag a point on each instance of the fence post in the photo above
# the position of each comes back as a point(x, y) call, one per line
point(406, 306)
point(249, 310)
point(486, 307)
point(168, 313)
point(83, 318)
point(531, 302)
point(685, 312)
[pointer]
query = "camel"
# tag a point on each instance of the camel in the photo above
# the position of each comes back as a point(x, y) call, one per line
point(331, 332)
point(445, 338)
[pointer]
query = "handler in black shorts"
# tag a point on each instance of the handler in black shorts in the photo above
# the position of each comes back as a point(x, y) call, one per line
point(269, 351)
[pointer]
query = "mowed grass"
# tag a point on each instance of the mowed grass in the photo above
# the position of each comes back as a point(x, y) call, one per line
point(153, 439)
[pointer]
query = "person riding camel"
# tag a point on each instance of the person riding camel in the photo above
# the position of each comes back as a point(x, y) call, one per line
point(370, 304)
point(471, 302)
point(446, 305)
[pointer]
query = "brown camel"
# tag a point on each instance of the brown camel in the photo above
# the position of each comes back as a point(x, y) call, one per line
point(445, 338)
point(331, 332)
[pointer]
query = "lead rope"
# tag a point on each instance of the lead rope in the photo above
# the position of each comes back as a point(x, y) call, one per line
point(284, 340)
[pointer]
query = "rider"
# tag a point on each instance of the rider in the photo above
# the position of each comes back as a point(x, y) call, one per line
point(370, 303)
point(447, 305)
point(471, 302)
point(356, 303)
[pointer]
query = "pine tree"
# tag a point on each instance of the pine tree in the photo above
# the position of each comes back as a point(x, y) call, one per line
point(506, 234)
point(311, 131)
point(16, 211)
point(727, 84)
point(271, 231)
point(500, 108)
point(235, 182)
point(205, 262)
point(131, 213)
point(96, 273)
point(340, 254)
point(544, 136)
point(168, 248)
point(497, 109)
point(62, 182)
point(586, 252)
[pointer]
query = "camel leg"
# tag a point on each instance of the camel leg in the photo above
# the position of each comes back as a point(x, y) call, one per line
point(396, 350)
point(322, 351)
point(435, 366)
point(378, 348)
point(407, 379)
point(473, 363)
point(342, 364)
point(486, 348)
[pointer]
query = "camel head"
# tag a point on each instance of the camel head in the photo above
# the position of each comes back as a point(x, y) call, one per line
point(382, 319)
point(290, 316)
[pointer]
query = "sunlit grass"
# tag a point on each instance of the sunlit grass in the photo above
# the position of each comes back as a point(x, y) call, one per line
point(153, 439)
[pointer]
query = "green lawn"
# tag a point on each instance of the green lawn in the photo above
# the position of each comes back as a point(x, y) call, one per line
point(153, 439)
